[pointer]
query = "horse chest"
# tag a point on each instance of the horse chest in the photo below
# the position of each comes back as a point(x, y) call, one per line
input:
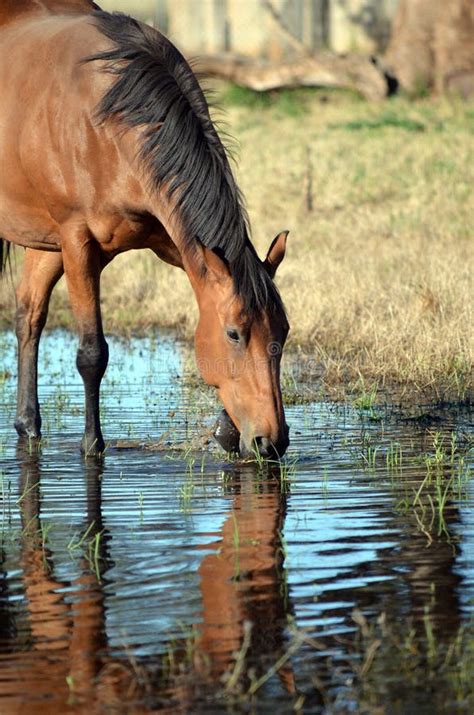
point(116, 234)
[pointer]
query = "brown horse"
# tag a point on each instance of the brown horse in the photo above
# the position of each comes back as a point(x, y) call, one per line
point(106, 144)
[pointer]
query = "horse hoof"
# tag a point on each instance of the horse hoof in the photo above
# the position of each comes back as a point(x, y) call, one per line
point(226, 433)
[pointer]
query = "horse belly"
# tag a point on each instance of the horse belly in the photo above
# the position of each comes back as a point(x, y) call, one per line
point(28, 229)
point(24, 217)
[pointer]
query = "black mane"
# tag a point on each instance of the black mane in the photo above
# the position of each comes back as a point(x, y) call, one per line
point(157, 90)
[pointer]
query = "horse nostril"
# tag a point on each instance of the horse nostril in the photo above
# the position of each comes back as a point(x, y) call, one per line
point(274, 450)
point(264, 446)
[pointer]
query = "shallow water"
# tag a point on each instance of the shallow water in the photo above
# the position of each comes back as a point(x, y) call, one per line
point(170, 578)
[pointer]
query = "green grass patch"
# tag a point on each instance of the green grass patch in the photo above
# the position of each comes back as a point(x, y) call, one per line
point(286, 102)
point(384, 121)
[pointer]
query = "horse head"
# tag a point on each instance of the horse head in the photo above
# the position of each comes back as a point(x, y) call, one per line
point(240, 353)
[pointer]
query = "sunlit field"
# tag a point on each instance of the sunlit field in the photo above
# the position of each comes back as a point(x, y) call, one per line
point(378, 275)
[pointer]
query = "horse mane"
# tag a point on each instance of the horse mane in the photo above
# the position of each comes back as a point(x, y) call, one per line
point(155, 89)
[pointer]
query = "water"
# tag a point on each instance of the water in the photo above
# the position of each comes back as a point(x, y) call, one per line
point(167, 578)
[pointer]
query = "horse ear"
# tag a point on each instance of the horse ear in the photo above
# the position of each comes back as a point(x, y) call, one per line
point(276, 253)
point(216, 265)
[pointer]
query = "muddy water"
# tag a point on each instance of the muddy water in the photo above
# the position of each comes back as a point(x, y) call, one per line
point(168, 578)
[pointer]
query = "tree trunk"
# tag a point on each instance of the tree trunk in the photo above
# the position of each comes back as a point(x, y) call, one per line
point(454, 48)
point(432, 46)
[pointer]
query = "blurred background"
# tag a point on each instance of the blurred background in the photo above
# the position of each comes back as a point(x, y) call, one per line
point(419, 44)
point(247, 26)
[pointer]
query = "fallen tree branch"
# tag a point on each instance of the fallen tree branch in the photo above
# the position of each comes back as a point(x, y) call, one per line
point(354, 72)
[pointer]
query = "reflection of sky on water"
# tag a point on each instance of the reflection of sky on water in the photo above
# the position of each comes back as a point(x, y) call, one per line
point(465, 561)
point(344, 538)
point(140, 387)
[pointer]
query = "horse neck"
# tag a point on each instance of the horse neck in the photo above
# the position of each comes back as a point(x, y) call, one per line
point(165, 210)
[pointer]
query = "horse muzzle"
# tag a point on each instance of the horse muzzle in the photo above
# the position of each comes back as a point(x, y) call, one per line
point(265, 447)
point(229, 438)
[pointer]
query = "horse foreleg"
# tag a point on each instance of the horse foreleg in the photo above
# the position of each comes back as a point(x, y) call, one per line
point(41, 272)
point(82, 266)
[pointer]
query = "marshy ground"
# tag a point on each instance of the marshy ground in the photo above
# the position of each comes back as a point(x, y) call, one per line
point(168, 577)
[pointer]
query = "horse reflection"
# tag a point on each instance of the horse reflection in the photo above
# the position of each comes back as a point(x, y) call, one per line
point(245, 599)
point(66, 619)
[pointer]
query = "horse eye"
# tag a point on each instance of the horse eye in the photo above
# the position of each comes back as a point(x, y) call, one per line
point(233, 335)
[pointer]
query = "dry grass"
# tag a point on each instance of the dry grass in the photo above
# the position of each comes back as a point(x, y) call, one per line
point(378, 199)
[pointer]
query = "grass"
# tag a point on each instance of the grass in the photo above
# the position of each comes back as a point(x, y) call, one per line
point(397, 665)
point(378, 276)
point(387, 663)
point(434, 481)
point(386, 119)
